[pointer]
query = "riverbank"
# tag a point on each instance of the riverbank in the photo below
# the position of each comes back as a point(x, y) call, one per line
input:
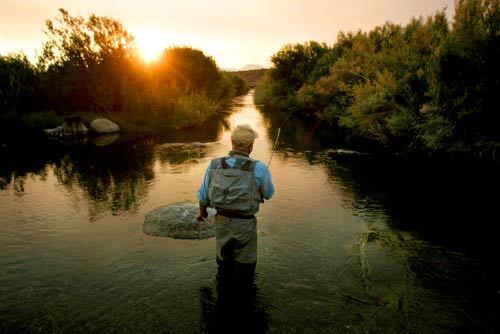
point(189, 112)
point(80, 74)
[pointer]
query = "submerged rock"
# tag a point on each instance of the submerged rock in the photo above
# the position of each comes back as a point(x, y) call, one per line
point(72, 126)
point(104, 125)
point(178, 221)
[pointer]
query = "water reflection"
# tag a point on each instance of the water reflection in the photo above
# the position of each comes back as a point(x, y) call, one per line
point(24, 158)
point(110, 173)
point(110, 179)
point(237, 306)
point(106, 139)
point(302, 135)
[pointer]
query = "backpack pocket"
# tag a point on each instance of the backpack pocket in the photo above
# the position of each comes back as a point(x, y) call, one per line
point(229, 188)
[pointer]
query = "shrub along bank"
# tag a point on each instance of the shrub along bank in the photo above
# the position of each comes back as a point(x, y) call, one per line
point(429, 86)
point(90, 67)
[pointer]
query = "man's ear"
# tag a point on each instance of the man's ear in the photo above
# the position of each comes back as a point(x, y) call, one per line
point(250, 148)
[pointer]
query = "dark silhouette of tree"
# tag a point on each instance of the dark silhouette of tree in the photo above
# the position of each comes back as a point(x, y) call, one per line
point(85, 60)
point(17, 85)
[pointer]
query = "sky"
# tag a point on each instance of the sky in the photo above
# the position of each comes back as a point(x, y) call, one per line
point(235, 33)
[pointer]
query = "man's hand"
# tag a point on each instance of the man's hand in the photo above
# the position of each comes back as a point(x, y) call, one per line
point(203, 213)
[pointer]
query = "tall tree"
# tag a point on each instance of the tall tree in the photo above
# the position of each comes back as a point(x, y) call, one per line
point(85, 61)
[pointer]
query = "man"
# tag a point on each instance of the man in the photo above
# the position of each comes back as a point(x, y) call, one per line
point(235, 186)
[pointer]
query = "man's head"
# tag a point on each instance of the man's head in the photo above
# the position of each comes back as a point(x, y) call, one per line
point(242, 138)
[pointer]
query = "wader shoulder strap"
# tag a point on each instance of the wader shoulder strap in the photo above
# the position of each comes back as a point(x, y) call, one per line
point(249, 165)
point(223, 163)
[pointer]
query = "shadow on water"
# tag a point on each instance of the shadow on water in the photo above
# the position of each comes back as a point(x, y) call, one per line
point(436, 222)
point(236, 306)
point(447, 209)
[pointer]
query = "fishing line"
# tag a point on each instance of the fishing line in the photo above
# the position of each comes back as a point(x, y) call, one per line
point(276, 142)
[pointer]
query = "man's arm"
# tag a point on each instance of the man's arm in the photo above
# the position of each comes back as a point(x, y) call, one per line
point(203, 197)
point(264, 180)
point(203, 213)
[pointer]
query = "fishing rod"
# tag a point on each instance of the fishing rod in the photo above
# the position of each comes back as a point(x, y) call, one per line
point(276, 142)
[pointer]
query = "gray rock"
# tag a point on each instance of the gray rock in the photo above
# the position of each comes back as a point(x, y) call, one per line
point(178, 221)
point(104, 125)
point(57, 131)
point(72, 126)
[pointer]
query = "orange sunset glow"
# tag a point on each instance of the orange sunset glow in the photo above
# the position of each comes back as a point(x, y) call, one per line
point(150, 45)
point(234, 33)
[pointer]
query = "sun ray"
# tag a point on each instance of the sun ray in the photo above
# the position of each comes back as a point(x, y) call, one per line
point(150, 44)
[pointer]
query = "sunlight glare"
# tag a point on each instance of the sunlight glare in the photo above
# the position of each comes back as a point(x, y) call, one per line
point(150, 45)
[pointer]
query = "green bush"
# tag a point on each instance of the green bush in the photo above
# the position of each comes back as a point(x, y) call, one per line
point(193, 109)
point(423, 87)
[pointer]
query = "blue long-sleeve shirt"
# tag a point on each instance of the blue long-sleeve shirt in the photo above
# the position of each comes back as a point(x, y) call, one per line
point(262, 176)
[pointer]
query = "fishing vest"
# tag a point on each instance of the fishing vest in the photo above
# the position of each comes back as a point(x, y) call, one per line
point(234, 188)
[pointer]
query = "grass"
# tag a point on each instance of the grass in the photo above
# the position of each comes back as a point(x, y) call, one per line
point(140, 117)
point(41, 120)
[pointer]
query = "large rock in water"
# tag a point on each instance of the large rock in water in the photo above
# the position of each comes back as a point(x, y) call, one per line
point(103, 125)
point(178, 221)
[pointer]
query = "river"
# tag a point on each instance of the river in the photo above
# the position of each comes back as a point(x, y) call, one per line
point(349, 244)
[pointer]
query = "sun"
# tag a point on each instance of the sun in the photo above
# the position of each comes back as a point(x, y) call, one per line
point(150, 45)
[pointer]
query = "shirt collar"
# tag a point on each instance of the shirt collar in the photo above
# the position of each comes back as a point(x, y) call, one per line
point(238, 152)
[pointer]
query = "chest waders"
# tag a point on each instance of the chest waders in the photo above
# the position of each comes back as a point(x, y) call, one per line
point(233, 193)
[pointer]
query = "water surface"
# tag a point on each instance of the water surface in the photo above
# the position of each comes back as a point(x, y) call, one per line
point(348, 244)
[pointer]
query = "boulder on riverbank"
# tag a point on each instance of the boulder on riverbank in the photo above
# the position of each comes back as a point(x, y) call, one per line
point(72, 126)
point(104, 125)
point(343, 152)
point(178, 221)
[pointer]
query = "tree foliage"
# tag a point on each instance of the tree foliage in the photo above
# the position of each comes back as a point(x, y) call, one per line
point(17, 84)
point(426, 86)
point(91, 65)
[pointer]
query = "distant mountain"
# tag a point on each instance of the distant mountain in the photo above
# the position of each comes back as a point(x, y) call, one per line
point(249, 67)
